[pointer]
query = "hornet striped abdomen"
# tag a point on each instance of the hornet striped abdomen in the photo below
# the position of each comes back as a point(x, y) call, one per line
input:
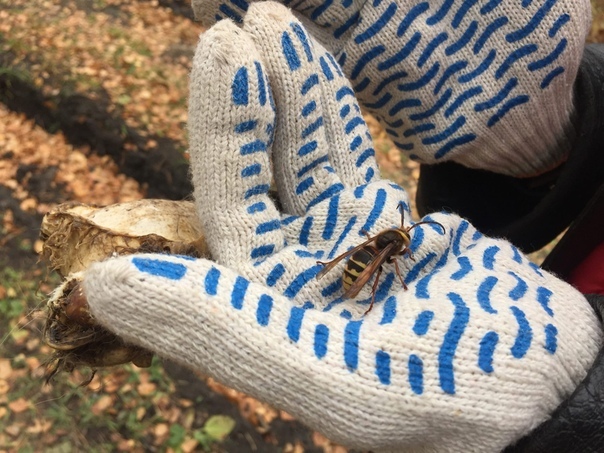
point(357, 264)
point(367, 258)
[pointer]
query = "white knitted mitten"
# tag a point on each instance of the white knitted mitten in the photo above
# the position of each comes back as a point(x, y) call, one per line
point(479, 349)
point(486, 83)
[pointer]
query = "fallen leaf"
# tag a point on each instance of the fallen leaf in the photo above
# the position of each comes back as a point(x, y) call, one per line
point(125, 445)
point(32, 362)
point(102, 404)
point(13, 430)
point(40, 426)
point(5, 369)
point(4, 387)
point(19, 405)
point(161, 430)
point(189, 445)
point(146, 388)
point(218, 427)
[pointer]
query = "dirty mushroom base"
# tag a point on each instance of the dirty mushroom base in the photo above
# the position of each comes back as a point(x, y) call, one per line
point(77, 235)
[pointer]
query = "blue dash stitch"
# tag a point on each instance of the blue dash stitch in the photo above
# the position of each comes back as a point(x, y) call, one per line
point(486, 9)
point(533, 23)
point(441, 13)
point(520, 289)
point(465, 267)
point(365, 59)
point(443, 135)
point(413, 14)
point(309, 108)
point(343, 235)
point(448, 73)
point(302, 279)
point(307, 148)
point(378, 25)
point(440, 102)
point(499, 97)
point(454, 143)
point(421, 289)
point(416, 374)
point(312, 80)
point(321, 340)
point(446, 354)
point(289, 51)
point(275, 274)
point(486, 351)
point(263, 312)
point(346, 314)
point(547, 80)
point(462, 11)
point(389, 310)
point(482, 67)
point(246, 126)
point(266, 227)
point(488, 257)
point(488, 32)
point(369, 152)
point(400, 55)
point(251, 170)
point(551, 340)
point(331, 221)
point(505, 108)
point(160, 268)
point(313, 127)
point(431, 47)
point(347, 25)
point(463, 227)
point(376, 211)
point(320, 9)
point(422, 322)
point(351, 344)
point(484, 294)
point(382, 367)
point(305, 230)
point(239, 291)
point(524, 336)
point(299, 32)
point(332, 288)
point(422, 81)
point(513, 58)
point(294, 324)
point(262, 90)
point(543, 296)
point(563, 19)
point(415, 270)
point(240, 87)
point(211, 281)
point(464, 40)
point(549, 59)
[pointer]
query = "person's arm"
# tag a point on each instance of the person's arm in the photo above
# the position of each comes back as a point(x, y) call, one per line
point(479, 349)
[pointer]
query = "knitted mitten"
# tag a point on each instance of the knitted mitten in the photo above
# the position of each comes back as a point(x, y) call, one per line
point(477, 351)
point(487, 83)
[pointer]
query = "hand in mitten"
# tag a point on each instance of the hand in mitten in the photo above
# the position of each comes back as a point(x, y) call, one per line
point(486, 84)
point(478, 350)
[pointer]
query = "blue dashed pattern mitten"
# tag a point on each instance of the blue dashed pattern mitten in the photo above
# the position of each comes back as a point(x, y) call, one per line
point(485, 83)
point(481, 347)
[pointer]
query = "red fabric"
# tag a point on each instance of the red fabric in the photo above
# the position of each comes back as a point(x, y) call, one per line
point(588, 277)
